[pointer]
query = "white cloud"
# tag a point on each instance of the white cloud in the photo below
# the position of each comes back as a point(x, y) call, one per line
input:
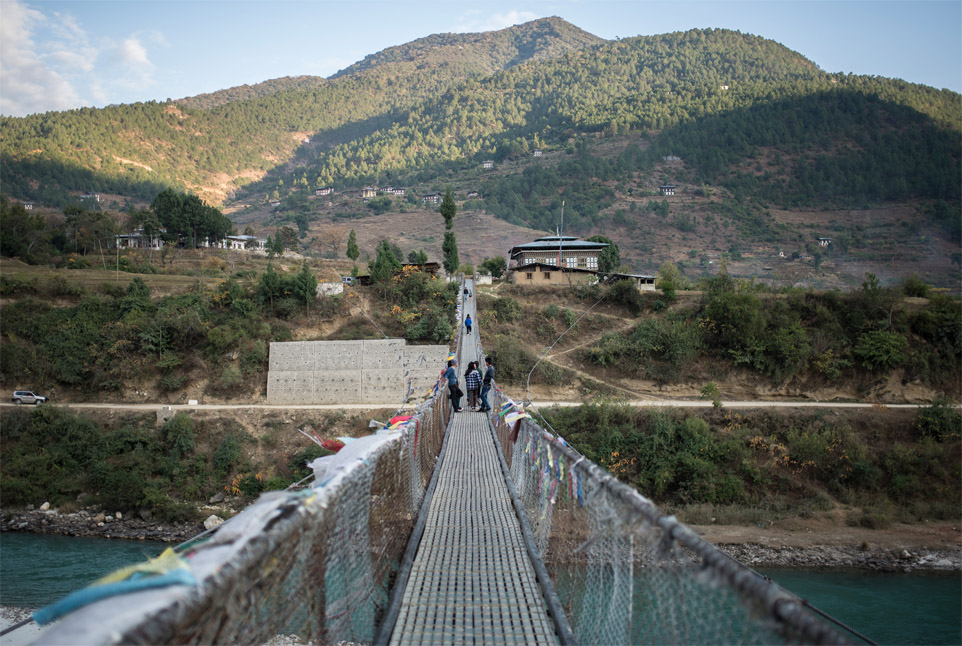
point(28, 83)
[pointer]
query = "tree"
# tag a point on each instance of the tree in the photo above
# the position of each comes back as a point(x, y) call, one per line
point(385, 265)
point(271, 286)
point(495, 266)
point(305, 286)
point(609, 259)
point(352, 251)
point(332, 237)
point(287, 238)
point(668, 276)
point(450, 249)
point(417, 257)
point(448, 209)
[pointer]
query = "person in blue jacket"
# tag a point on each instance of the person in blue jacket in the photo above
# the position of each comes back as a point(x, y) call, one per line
point(467, 323)
point(451, 374)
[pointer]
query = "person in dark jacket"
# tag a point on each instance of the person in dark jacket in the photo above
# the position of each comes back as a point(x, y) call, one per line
point(486, 384)
point(467, 323)
point(451, 374)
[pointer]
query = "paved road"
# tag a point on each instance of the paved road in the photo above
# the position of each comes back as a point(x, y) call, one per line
point(660, 403)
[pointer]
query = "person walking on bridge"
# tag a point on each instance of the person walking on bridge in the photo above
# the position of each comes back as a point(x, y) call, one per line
point(486, 384)
point(467, 323)
point(451, 374)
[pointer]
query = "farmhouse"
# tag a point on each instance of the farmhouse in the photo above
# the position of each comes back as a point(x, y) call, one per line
point(431, 198)
point(569, 252)
point(327, 190)
point(668, 189)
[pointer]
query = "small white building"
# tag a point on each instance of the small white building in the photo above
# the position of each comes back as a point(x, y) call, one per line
point(824, 242)
point(667, 189)
point(487, 163)
point(368, 192)
point(537, 153)
point(138, 240)
point(327, 190)
point(431, 198)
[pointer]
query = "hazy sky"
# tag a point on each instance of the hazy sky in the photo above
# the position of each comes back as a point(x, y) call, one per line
point(57, 55)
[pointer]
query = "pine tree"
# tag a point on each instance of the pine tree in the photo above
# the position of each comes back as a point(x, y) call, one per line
point(450, 249)
point(448, 209)
point(305, 287)
point(352, 251)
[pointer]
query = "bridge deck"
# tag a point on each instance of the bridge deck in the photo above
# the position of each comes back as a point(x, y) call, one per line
point(472, 580)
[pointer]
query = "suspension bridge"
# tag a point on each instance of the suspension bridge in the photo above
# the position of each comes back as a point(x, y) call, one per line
point(444, 528)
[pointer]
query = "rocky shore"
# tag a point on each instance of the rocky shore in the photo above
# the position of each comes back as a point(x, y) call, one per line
point(847, 557)
point(96, 523)
point(864, 556)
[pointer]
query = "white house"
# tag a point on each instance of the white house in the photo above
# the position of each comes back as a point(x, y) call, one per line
point(487, 163)
point(668, 189)
point(432, 198)
point(138, 240)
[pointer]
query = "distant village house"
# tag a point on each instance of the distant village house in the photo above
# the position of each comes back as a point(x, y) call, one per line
point(487, 163)
point(368, 192)
point(564, 260)
point(431, 198)
point(327, 190)
point(824, 242)
point(668, 189)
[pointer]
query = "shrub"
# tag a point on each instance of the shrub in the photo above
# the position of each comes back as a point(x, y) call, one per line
point(172, 381)
point(253, 356)
point(507, 309)
point(939, 421)
point(880, 349)
point(625, 294)
point(226, 455)
point(512, 359)
point(178, 435)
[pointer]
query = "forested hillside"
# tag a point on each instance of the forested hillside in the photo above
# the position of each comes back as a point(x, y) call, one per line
point(743, 124)
point(134, 150)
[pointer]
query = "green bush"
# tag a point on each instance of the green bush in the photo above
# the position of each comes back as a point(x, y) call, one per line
point(178, 436)
point(172, 381)
point(507, 309)
point(512, 359)
point(226, 455)
point(940, 421)
point(625, 294)
point(881, 349)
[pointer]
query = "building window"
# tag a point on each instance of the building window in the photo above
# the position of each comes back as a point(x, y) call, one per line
point(529, 276)
point(547, 275)
point(582, 262)
point(592, 262)
point(571, 262)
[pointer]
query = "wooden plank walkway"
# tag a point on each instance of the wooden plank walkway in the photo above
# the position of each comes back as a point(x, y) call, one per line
point(472, 581)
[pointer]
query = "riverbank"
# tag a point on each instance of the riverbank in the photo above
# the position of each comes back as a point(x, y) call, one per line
point(97, 524)
point(935, 546)
point(922, 547)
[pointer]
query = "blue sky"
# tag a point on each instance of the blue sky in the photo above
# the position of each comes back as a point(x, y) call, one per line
point(57, 55)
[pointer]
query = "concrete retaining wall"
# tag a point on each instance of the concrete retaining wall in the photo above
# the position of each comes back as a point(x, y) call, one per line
point(384, 371)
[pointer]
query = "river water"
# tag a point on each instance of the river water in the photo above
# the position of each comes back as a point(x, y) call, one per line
point(36, 570)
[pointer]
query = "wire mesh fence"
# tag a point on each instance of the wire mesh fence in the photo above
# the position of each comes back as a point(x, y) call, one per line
point(316, 563)
point(625, 572)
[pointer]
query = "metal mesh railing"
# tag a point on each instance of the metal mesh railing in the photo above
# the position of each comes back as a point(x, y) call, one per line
point(625, 572)
point(316, 563)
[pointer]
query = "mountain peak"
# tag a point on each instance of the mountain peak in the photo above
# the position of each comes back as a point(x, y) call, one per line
point(483, 52)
